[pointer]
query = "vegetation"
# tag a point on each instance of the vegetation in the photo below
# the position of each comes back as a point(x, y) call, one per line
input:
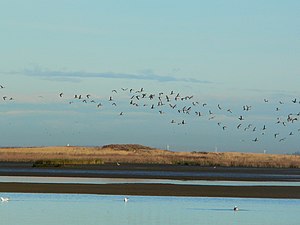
point(65, 162)
point(67, 156)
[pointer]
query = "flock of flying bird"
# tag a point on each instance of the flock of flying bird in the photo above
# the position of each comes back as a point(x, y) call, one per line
point(6, 97)
point(187, 106)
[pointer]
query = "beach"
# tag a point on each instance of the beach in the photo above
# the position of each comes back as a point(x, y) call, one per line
point(155, 172)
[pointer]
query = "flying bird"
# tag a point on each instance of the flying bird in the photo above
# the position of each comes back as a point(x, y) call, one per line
point(182, 122)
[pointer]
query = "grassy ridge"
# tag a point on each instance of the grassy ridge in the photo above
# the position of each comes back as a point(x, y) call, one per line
point(62, 156)
point(66, 162)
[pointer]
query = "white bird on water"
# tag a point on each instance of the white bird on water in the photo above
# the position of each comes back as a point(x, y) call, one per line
point(235, 208)
point(126, 199)
point(3, 199)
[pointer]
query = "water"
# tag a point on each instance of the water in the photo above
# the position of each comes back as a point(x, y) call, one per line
point(81, 180)
point(145, 173)
point(78, 209)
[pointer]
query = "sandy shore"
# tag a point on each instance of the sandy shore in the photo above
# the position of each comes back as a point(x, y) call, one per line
point(173, 172)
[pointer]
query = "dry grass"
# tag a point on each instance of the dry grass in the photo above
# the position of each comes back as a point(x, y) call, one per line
point(141, 154)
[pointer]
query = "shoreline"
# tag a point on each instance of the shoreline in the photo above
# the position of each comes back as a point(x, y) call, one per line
point(149, 171)
point(283, 192)
point(153, 171)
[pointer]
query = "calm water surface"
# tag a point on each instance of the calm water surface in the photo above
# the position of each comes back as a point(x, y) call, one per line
point(70, 209)
point(77, 180)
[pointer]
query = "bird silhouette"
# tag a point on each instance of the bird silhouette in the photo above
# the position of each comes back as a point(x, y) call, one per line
point(229, 110)
point(186, 107)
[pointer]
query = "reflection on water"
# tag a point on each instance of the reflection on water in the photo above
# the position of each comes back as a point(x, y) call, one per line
point(72, 209)
point(78, 180)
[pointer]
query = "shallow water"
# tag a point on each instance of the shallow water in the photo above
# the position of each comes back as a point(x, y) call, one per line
point(77, 180)
point(76, 209)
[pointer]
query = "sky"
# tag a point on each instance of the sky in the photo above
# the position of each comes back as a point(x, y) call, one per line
point(219, 56)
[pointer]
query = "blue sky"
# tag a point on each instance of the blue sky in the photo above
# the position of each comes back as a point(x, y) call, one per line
point(231, 53)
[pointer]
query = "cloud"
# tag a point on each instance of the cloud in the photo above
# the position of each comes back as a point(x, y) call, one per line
point(74, 75)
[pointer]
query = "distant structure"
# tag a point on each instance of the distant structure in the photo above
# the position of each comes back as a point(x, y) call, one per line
point(168, 147)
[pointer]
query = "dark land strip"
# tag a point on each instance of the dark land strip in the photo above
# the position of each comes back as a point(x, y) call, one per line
point(291, 192)
point(152, 171)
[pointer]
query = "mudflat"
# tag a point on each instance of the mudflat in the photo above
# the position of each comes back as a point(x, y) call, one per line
point(152, 171)
point(155, 172)
point(157, 190)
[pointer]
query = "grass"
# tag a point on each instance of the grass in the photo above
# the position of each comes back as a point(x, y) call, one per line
point(66, 162)
point(67, 156)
